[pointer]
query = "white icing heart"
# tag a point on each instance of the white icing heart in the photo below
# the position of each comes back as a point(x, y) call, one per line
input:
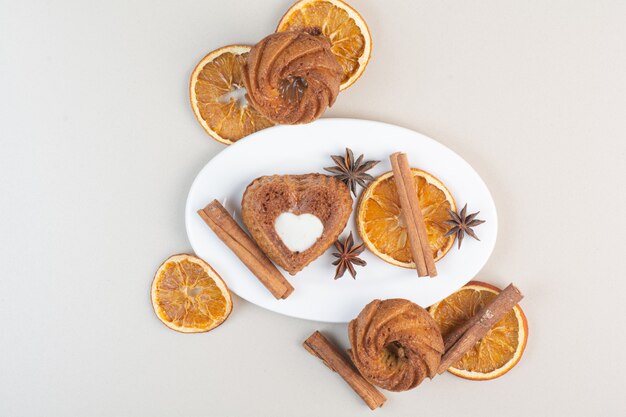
point(298, 232)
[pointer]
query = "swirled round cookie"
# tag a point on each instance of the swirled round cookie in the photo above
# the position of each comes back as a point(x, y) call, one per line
point(292, 77)
point(395, 344)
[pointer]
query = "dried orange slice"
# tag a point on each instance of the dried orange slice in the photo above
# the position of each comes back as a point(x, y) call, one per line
point(189, 296)
point(218, 96)
point(496, 353)
point(381, 224)
point(349, 35)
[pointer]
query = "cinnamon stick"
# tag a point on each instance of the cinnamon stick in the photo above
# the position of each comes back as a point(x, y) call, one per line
point(405, 205)
point(227, 229)
point(319, 346)
point(409, 203)
point(417, 211)
point(460, 340)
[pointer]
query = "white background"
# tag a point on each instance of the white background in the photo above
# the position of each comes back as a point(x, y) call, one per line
point(99, 147)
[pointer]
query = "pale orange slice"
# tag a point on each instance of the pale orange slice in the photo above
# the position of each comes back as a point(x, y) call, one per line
point(349, 35)
point(218, 98)
point(189, 296)
point(496, 353)
point(382, 226)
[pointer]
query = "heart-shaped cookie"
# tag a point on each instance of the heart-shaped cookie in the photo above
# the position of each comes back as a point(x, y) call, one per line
point(283, 214)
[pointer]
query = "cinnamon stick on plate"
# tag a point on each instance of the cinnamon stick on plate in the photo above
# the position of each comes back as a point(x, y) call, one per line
point(319, 346)
point(459, 341)
point(227, 229)
point(409, 203)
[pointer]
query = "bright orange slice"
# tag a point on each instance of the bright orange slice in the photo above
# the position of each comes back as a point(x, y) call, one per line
point(500, 350)
point(189, 296)
point(381, 224)
point(349, 35)
point(218, 96)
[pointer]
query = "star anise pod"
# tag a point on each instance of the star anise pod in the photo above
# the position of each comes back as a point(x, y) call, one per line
point(348, 256)
point(462, 223)
point(352, 172)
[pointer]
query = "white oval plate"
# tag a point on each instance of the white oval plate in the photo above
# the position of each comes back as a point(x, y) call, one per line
point(307, 148)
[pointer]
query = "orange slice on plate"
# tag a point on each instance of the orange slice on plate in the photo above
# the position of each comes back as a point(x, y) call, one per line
point(500, 350)
point(189, 296)
point(218, 96)
point(381, 224)
point(349, 35)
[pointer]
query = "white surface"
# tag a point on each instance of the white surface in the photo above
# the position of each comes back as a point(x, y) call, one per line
point(298, 232)
point(99, 148)
point(306, 149)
